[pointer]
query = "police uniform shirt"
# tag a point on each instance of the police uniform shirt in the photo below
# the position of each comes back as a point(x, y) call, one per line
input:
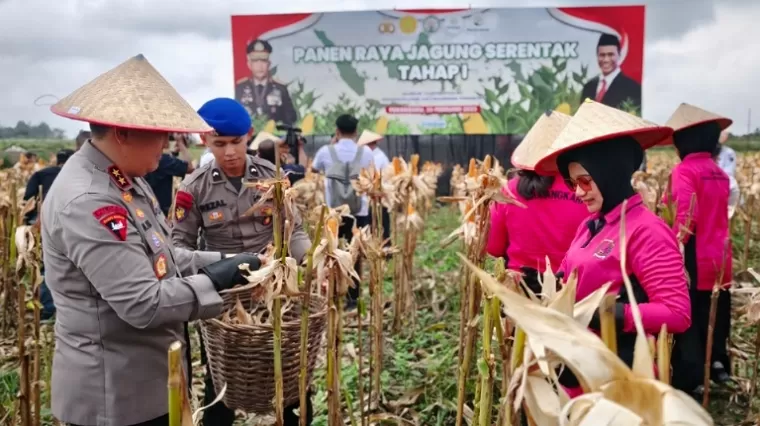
point(208, 202)
point(269, 98)
point(122, 293)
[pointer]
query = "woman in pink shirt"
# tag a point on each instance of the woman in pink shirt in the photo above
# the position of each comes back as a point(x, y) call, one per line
point(597, 154)
point(523, 236)
point(707, 245)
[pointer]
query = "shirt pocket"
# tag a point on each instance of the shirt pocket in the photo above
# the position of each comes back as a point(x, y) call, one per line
point(218, 222)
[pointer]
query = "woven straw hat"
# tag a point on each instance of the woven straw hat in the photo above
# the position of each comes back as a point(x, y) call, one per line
point(261, 137)
point(539, 139)
point(594, 122)
point(133, 96)
point(367, 137)
point(688, 116)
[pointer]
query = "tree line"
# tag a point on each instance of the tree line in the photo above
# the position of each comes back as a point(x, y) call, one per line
point(24, 130)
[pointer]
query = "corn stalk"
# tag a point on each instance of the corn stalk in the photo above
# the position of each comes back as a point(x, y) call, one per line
point(376, 311)
point(716, 289)
point(280, 253)
point(175, 384)
point(305, 311)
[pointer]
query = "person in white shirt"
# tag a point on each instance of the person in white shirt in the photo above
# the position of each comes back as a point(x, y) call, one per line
point(206, 158)
point(346, 149)
point(371, 140)
point(726, 159)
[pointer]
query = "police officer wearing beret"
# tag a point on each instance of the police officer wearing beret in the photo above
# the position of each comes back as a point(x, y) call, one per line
point(210, 204)
point(123, 292)
point(260, 94)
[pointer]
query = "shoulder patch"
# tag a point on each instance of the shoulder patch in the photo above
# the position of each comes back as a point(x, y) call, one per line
point(197, 174)
point(114, 219)
point(185, 200)
point(262, 164)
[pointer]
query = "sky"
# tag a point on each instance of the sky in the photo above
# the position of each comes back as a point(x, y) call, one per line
point(697, 51)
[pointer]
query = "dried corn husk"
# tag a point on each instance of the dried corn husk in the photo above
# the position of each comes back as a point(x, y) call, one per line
point(622, 390)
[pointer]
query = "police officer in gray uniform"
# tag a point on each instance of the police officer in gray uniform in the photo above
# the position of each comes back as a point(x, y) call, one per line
point(260, 94)
point(210, 203)
point(212, 199)
point(122, 290)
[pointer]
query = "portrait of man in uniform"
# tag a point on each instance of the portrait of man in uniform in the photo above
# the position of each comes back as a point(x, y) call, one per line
point(612, 87)
point(259, 93)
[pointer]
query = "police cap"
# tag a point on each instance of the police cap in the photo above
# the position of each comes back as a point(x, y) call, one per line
point(258, 49)
point(227, 116)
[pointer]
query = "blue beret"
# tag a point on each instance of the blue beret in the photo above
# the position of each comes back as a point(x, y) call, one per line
point(227, 116)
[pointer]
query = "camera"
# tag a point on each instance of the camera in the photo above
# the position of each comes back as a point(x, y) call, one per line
point(292, 138)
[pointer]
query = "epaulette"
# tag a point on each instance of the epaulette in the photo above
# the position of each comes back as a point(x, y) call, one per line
point(242, 80)
point(275, 81)
point(262, 163)
point(196, 174)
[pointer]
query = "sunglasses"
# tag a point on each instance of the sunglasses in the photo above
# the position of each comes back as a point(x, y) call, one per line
point(583, 181)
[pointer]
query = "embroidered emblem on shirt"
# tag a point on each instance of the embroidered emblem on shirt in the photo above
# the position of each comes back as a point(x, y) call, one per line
point(266, 215)
point(146, 225)
point(253, 170)
point(126, 196)
point(215, 216)
point(139, 213)
point(604, 249)
point(160, 266)
point(114, 219)
point(118, 178)
point(157, 240)
point(216, 176)
point(179, 214)
point(183, 203)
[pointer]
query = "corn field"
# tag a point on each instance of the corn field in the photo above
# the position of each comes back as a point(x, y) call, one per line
point(427, 344)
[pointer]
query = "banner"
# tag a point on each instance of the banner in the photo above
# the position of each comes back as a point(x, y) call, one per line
point(468, 71)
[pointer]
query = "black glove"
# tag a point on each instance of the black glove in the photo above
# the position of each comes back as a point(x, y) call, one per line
point(619, 318)
point(226, 273)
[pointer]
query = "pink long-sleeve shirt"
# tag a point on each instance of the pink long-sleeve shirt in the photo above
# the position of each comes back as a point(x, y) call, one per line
point(699, 174)
point(653, 257)
point(545, 228)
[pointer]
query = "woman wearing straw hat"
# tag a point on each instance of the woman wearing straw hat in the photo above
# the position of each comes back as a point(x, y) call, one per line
point(707, 244)
point(513, 234)
point(597, 153)
point(381, 161)
point(122, 291)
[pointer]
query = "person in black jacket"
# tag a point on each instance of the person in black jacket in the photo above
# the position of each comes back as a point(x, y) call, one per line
point(612, 87)
point(44, 179)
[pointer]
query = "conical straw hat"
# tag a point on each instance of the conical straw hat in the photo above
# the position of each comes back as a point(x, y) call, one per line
point(134, 96)
point(261, 137)
point(594, 122)
point(367, 137)
point(539, 139)
point(688, 115)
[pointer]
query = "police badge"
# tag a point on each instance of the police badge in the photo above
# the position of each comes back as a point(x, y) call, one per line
point(274, 98)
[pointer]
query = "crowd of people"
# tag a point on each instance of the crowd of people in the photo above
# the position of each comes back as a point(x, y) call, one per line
point(574, 175)
point(129, 265)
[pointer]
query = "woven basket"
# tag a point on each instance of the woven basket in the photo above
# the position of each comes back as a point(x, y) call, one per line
point(242, 356)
